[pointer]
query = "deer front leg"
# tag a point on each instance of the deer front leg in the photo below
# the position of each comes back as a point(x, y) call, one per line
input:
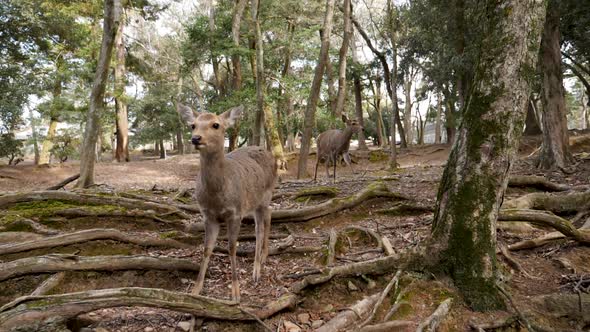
point(259, 224)
point(348, 161)
point(211, 232)
point(233, 230)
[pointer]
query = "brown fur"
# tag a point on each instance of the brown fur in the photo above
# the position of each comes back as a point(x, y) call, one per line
point(229, 188)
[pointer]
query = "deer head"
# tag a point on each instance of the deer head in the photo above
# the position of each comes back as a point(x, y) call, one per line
point(353, 124)
point(208, 129)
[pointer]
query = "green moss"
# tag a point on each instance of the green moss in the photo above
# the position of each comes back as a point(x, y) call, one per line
point(169, 235)
point(314, 193)
point(378, 156)
point(405, 310)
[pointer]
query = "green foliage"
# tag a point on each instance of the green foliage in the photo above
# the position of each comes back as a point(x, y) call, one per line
point(10, 148)
point(66, 145)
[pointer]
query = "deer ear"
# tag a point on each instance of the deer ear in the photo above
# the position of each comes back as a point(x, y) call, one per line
point(186, 113)
point(344, 119)
point(232, 115)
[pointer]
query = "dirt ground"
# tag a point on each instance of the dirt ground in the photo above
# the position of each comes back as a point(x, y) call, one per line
point(418, 178)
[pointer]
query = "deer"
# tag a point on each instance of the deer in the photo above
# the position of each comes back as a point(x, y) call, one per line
point(334, 143)
point(230, 187)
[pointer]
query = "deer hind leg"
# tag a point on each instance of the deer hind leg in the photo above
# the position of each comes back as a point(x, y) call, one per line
point(317, 162)
point(233, 230)
point(328, 160)
point(335, 158)
point(266, 239)
point(211, 232)
point(348, 161)
point(259, 224)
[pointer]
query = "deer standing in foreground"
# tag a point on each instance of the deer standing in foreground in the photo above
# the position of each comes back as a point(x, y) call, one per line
point(229, 188)
point(333, 143)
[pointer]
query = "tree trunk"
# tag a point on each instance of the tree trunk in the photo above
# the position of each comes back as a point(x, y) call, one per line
point(270, 127)
point(34, 136)
point(180, 140)
point(475, 178)
point(376, 89)
point(450, 126)
point(437, 131)
point(391, 85)
point(286, 94)
point(358, 107)
point(122, 122)
point(214, 60)
point(47, 144)
point(532, 127)
point(555, 152)
point(237, 13)
point(408, 110)
point(331, 105)
point(309, 119)
point(162, 149)
point(112, 15)
point(157, 148)
point(347, 33)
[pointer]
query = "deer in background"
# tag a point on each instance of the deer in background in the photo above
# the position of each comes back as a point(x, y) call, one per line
point(229, 188)
point(333, 143)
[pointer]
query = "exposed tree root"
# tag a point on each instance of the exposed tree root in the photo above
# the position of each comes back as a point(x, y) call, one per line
point(373, 190)
point(556, 203)
point(316, 191)
point(30, 313)
point(64, 182)
point(406, 209)
point(387, 247)
point(35, 226)
point(497, 324)
point(394, 282)
point(89, 235)
point(273, 251)
point(396, 325)
point(431, 323)
point(89, 199)
point(332, 240)
point(371, 233)
point(565, 305)
point(345, 319)
point(49, 284)
point(513, 262)
point(134, 213)
point(545, 218)
point(59, 262)
point(538, 182)
point(16, 237)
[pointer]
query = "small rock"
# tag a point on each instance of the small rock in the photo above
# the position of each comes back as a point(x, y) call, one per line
point(291, 327)
point(148, 329)
point(184, 281)
point(371, 283)
point(328, 308)
point(92, 314)
point(185, 326)
point(352, 287)
point(316, 324)
point(303, 318)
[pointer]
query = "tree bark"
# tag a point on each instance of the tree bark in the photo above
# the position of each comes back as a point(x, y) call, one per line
point(238, 11)
point(376, 89)
point(437, 122)
point(555, 152)
point(214, 59)
point(310, 109)
point(408, 110)
point(112, 16)
point(347, 33)
point(34, 137)
point(463, 243)
point(162, 149)
point(531, 123)
point(45, 156)
point(122, 122)
point(358, 107)
point(286, 94)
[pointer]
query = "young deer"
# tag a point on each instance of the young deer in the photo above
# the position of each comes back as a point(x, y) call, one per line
point(229, 188)
point(335, 142)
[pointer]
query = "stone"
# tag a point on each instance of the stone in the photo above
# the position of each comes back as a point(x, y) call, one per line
point(316, 324)
point(185, 326)
point(352, 287)
point(303, 318)
point(148, 329)
point(291, 327)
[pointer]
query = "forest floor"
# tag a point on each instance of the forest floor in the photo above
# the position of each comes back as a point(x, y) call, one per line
point(560, 267)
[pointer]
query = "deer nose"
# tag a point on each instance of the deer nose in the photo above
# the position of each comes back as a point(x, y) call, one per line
point(196, 140)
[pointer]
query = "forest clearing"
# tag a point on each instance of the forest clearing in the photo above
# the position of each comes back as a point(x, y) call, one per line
point(289, 166)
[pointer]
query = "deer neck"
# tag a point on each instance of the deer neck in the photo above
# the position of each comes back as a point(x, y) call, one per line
point(213, 165)
point(346, 136)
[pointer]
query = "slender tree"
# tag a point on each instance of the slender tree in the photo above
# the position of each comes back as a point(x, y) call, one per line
point(122, 122)
point(347, 33)
point(112, 19)
point(555, 152)
point(310, 109)
point(475, 178)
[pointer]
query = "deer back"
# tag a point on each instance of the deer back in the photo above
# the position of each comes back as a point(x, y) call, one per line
point(334, 141)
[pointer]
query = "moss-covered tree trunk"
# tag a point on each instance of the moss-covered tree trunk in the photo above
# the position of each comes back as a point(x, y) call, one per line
point(475, 178)
point(555, 152)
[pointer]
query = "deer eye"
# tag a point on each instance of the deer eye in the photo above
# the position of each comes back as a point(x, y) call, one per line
point(193, 126)
point(215, 126)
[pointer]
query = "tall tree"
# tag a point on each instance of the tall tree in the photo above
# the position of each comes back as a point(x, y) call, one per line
point(347, 33)
point(475, 178)
point(122, 122)
point(437, 131)
point(310, 109)
point(238, 11)
point(555, 152)
point(112, 19)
